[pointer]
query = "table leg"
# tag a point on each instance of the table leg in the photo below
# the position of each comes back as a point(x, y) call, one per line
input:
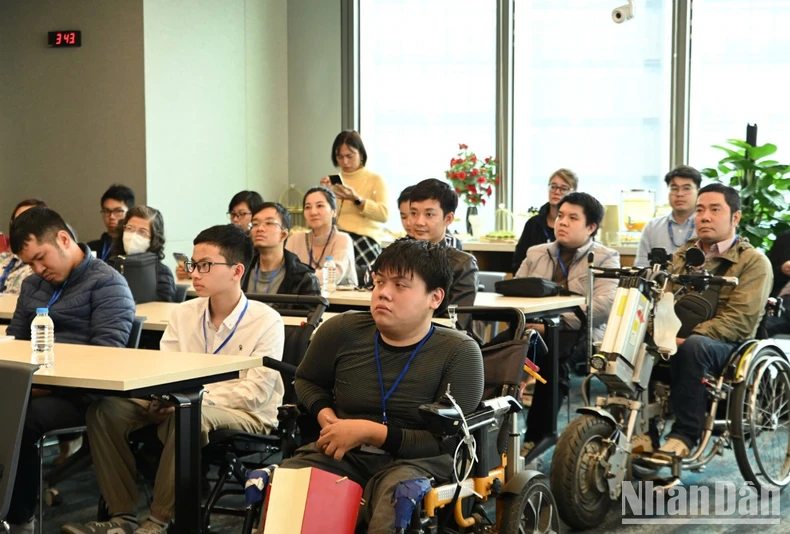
point(542, 415)
point(188, 468)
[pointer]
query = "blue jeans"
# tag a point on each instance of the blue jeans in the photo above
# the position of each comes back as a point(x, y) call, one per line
point(697, 357)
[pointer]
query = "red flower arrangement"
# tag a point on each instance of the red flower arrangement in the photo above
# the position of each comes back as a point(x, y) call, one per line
point(473, 179)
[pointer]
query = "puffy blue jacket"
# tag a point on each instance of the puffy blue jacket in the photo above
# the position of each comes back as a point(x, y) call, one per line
point(95, 308)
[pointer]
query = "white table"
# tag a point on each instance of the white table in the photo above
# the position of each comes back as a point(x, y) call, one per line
point(139, 373)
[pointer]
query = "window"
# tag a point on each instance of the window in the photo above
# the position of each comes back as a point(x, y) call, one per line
point(427, 83)
point(592, 96)
point(740, 59)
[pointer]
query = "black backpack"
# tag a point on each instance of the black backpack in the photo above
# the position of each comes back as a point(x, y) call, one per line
point(140, 273)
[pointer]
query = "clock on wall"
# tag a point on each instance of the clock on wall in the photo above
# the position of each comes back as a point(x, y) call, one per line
point(64, 39)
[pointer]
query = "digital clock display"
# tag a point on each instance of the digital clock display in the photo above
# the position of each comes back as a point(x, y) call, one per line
point(65, 38)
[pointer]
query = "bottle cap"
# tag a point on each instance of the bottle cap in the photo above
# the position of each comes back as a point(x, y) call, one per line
point(329, 258)
point(42, 310)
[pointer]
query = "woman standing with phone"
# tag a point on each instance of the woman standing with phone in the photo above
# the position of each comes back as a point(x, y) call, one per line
point(363, 198)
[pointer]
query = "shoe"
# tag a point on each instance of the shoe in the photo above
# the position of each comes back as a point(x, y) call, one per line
point(151, 527)
point(642, 444)
point(114, 526)
point(537, 463)
point(68, 448)
point(24, 528)
point(672, 448)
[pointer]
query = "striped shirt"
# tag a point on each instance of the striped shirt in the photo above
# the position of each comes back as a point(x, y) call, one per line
point(340, 359)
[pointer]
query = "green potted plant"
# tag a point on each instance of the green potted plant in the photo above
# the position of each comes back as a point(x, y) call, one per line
point(762, 183)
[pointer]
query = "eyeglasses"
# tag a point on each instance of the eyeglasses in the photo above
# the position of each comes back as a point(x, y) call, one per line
point(142, 232)
point(268, 224)
point(238, 214)
point(675, 190)
point(118, 212)
point(202, 266)
point(564, 189)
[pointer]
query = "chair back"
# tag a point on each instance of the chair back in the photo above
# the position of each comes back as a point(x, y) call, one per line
point(15, 383)
point(134, 335)
point(487, 279)
point(181, 293)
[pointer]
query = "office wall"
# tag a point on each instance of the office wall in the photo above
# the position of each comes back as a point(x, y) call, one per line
point(314, 99)
point(214, 92)
point(71, 120)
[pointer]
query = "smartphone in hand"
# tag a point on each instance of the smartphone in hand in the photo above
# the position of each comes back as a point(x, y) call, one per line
point(180, 258)
point(335, 179)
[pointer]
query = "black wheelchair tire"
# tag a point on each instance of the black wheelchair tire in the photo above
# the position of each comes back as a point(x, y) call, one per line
point(742, 434)
point(580, 509)
point(515, 507)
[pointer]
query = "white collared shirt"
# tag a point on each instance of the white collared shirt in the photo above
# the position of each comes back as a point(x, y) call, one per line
point(260, 333)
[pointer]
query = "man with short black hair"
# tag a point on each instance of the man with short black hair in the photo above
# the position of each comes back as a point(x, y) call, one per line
point(89, 303)
point(432, 205)
point(738, 315)
point(274, 269)
point(115, 202)
point(379, 440)
point(673, 230)
point(221, 321)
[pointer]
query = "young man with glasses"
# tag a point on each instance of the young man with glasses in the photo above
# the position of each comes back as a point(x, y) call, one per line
point(673, 230)
point(540, 228)
point(221, 321)
point(274, 270)
point(115, 202)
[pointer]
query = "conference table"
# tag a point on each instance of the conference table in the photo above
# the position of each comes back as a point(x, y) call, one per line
point(140, 373)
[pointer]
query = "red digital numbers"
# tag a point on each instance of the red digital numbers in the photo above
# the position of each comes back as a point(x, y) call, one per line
point(71, 38)
point(64, 38)
point(58, 39)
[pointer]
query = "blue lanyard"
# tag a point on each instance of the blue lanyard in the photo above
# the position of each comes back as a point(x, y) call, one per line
point(318, 261)
point(7, 272)
point(562, 263)
point(105, 250)
point(56, 294)
point(205, 338)
point(671, 235)
point(386, 396)
point(546, 233)
point(271, 278)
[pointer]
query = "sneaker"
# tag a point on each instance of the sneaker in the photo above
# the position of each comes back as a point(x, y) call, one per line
point(537, 463)
point(151, 527)
point(672, 448)
point(642, 444)
point(115, 526)
point(25, 528)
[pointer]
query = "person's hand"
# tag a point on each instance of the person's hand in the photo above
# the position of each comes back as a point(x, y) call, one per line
point(158, 412)
point(345, 192)
point(343, 435)
point(679, 340)
point(541, 329)
point(181, 274)
point(327, 416)
point(786, 268)
point(325, 182)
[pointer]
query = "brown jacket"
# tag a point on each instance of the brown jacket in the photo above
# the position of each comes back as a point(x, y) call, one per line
point(740, 308)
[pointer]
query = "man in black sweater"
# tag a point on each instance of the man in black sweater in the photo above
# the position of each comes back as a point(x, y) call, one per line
point(365, 375)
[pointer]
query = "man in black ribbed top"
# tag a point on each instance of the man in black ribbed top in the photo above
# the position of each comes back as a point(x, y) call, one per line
point(365, 376)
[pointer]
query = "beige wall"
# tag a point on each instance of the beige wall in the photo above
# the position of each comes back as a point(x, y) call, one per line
point(71, 120)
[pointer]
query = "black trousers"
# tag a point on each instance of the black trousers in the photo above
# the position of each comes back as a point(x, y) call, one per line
point(44, 414)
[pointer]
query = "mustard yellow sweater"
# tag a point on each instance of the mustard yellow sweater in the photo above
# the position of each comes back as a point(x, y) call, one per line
point(369, 220)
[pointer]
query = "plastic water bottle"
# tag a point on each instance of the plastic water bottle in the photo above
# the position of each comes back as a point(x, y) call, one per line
point(329, 276)
point(42, 338)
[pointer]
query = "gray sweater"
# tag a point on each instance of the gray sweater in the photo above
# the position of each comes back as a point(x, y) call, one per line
point(340, 360)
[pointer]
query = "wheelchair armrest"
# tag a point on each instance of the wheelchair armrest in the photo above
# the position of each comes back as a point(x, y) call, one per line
point(284, 368)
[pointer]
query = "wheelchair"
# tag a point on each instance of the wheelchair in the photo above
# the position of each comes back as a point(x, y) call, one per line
point(748, 405)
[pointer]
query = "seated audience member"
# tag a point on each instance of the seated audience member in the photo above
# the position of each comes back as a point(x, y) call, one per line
point(579, 216)
point(672, 231)
point(221, 321)
point(13, 271)
point(273, 269)
point(89, 303)
point(540, 228)
point(242, 206)
point(144, 231)
point(738, 314)
point(379, 443)
point(432, 205)
point(324, 240)
point(115, 202)
point(403, 208)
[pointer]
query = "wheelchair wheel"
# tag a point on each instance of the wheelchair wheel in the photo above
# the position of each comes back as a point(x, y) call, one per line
point(760, 414)
point(578, 475)
point(532, 510)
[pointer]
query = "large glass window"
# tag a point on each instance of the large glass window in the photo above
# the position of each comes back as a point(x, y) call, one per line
point(427, 83)
point(740, 61)
point(592, 96)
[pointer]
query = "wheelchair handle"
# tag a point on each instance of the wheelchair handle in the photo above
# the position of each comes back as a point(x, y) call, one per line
point(286, 369)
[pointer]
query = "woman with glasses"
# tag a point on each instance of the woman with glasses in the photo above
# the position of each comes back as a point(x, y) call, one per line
point(242, 206)
point(324, 240)
point(540, 228)
point(12, 270)
point(363, 198)
point(144, 231)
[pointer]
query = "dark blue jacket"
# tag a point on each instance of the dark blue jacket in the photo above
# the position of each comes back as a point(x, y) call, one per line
point(95, 308)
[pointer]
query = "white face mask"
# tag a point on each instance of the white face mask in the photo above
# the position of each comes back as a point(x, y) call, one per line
point(134, 243)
